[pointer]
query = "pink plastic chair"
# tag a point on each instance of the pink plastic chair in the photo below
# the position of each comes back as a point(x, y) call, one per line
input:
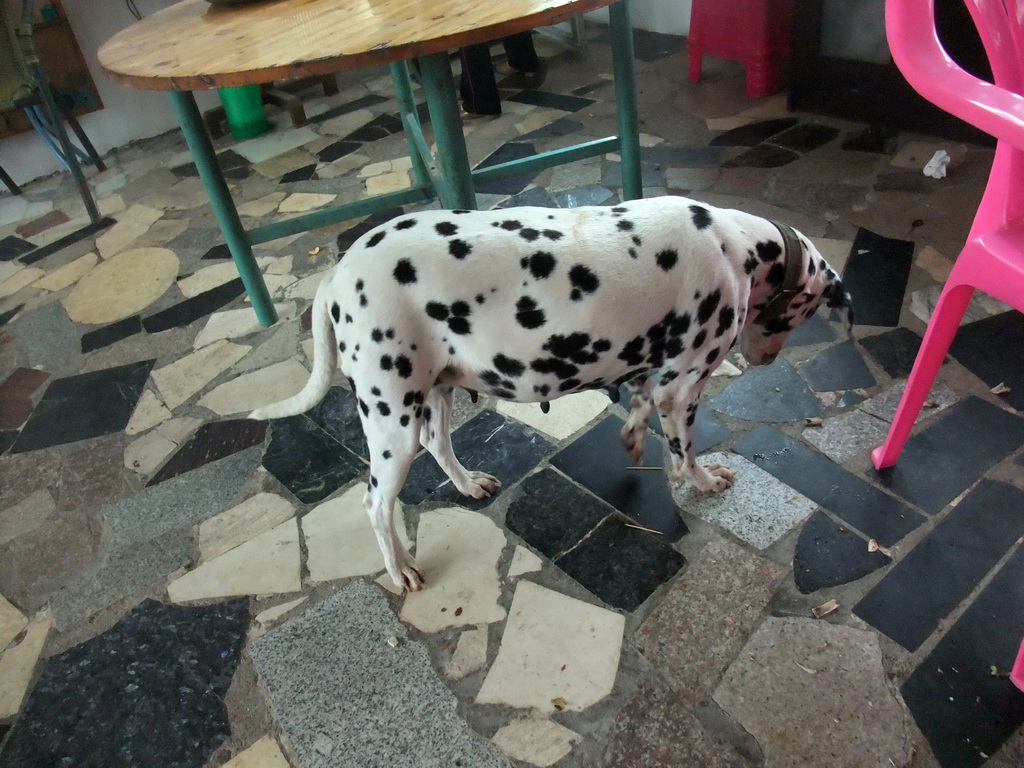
point(993, 257)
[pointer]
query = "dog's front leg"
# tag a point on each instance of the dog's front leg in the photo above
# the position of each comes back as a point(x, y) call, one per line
point(634, 431)
point(435, 436)
point(678, 414)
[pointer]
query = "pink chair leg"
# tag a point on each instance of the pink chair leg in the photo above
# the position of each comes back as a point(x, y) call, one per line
point(1017, 675)
point(949, 311)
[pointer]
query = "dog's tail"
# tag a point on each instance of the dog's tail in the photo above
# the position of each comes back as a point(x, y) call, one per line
point(325, 359)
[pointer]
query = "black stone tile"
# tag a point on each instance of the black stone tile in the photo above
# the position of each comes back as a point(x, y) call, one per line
point(218, 252)
point(753, 134)
point(943, 460)
point(583, 90)
point(870, 510)
point(149, 691)
point(805, 137)
point(110, 334)
point(307, 461)
point(12, 247)
point(762, 156)
point(683, 157)
point(621, 565)
point(986, 348)
point(850, 399)
point(828, 554)
point(563, 126)
point(70, 239)
point(209, 443)
point(769, 393)
point(651, 46)
point(598, 462)
point(6, 317)
point(876, 275)
point(232, 164)
point(7, 438)
point(879, 139)
point(553, 514)
point(815, 330)
point(927, 584)
point(838, 367)
point(549, 100)
point(332, 152)
point(894, 350)
point(305, 173)
point(965, 711)
point(650, 175)
point(363, 102)
point(489, 443)
point(380, 127)
point(338, 415)
point(350, 235)
point(708, 429)
point(506, 185)
point(84, 406)
point(535, 196)
point(588, 194)
point(188, 311)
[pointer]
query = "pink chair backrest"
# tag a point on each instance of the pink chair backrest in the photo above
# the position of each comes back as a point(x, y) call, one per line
point(997, 109)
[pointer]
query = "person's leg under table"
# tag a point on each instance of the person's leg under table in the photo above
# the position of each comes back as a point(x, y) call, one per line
point(223, 206)
point(621, 28)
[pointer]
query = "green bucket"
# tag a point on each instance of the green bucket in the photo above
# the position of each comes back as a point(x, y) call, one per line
point(243, 108)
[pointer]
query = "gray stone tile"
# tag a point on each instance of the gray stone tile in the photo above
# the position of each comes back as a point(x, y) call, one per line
point(769, 393)
point(838, 707)
point(706, 617)
point(324, 672)
point(50, 339)
point(843, 437)
point(884, 405)
point(758, 508)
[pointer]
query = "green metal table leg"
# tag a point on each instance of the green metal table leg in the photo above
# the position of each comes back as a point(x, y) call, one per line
point(407, 106)
point(223, 206)
point(621, 27)
point(456, 187)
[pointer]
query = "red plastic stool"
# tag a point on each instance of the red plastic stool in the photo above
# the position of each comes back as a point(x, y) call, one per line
point(755, 32)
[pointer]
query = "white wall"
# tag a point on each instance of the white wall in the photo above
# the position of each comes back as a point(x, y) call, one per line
point(129, 113)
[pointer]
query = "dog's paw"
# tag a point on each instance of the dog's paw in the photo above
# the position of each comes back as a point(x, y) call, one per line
point(633, 442)
point(721, 477)
point(480, 485)
point(410, 577)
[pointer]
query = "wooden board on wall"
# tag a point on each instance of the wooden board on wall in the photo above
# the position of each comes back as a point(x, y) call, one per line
point(65, 65)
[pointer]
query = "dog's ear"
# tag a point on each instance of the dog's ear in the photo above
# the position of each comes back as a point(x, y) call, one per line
point(837, 297)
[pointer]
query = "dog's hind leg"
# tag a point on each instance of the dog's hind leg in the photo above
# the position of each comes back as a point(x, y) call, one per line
point(435, 436)
point(634, 432)
point(677, 406)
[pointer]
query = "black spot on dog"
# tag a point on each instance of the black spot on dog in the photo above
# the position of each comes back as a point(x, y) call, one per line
point(633, 254)
point(359, 284)
point(632, 351)
point(510, 225)
point(404, 366)
point(437, 310)
point(619, 209)
point(386, 363)
point(460, 249)
point(373, 481)
point(699, 339)
point(541, 264)
point(750, 264)
point(384, 408)
point(445, 228)
point(377, 335)
point(375, 391)
point(679, 324)
point(480, 298)
point(726, 315)
point(508, 365)
point(707, 306)
point(528, 314)
point(404, 420)
point(601, 345)
point(768, 250)
point(583, 281)
point(341, 346)
point(335, 311)
point(405, 224)
point(625, 225)
point(667, 259)
point(364, 407)
point(542, 389)
point(460, 309)
point(459, 325)
point(405, 272)
point(553, 365)
point(376, 238)
point(711, 356)
point(637, 241)
point(389, 333)
point(676, 446)
point(426, 414)
point(387, 454)
point(552, 234)
point(775, 275)
point(701, 216)
point(529, 234)
point(362, 300)
point(778, 325)
point(568, 384)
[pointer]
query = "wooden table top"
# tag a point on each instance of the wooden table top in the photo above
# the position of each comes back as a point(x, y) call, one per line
point(196, 46)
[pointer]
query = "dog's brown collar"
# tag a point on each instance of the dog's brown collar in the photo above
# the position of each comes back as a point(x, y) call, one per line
point(792, 257)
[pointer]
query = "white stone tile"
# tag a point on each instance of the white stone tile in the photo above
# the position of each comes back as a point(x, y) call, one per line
point(21, 278)
point(267, 564)
point(67, 275)
point(13, 209)
point(343, 125)
point(279, 265)
point(470, 653)
point(554, 647)
point(758, 508)
point(265, 753)
point(17, 665)
point(233, 323)
point(149, 412)
point(261, 387)
point(262, 206)
point(61, 230)
point(147, 453)
point(388, 182)
point(240, 523)
point(108, 205)
point(111, 183)
point(847, 435)
point(122, 286)
point(835, 252)
point(181, 379)
point(537, 118)
point(459, 550)
point(567, 415)
point(342, 165)
point(208, 278)
point(27, 515)
point(375, 169)
point(726, 369)
point(267, 617)
point(536, 741)
point(187, 193)
point(9, 268)
point(11, 623)
point(176, 430)
point(131, 225)
point(276, 285)
point(275, 143)
point(934, 263)
point(306, 288)
point(163, 231)
point(340, 541)
point(884, 405)
point(300, 202)
point(523, 561)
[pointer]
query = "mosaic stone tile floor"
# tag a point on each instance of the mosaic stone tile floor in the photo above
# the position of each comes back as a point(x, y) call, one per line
point(182, 587)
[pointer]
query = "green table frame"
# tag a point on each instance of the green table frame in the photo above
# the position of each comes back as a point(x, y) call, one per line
point(446, 176)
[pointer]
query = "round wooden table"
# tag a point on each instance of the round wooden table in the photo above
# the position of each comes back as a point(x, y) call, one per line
point(194, 45)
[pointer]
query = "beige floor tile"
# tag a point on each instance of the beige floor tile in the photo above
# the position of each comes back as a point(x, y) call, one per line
point(567, 415)
point(233, 323)
point(470, 653)
point(11, 623)
point(241, 523)
point(252, 390)
point(537, 741)
point(185, 377)
point(132, 224)
point(265, 753)
point(300, 202)
point(523, 561)
point(122, 286)
point(147, 453)
point(17, 665)
point(67, 275)
point(149, 412)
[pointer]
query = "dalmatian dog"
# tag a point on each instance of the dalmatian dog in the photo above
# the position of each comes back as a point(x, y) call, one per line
point(529, 304)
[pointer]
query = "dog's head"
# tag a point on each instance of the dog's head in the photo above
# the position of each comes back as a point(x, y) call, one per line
point(808, 282)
